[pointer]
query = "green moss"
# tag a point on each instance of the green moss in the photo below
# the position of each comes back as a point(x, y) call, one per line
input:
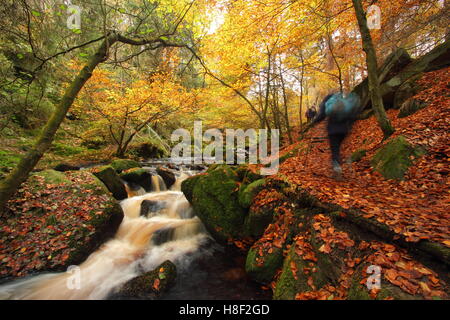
point(358, 291)
point(51, 177)
point(264, 270)
point(187, 186)
point(287, 286)
point(248, 192)
point(124, 164)
point(215, 201)
point(358, 155)
point(112, 181)
point(62, 149)
point(143, 286)
point(8, 161)
point(394, 159)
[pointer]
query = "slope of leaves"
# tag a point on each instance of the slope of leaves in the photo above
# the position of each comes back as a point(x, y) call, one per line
point(51, 222)
point(416, 207)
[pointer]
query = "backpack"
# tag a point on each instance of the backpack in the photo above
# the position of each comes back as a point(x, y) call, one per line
point(340, 109)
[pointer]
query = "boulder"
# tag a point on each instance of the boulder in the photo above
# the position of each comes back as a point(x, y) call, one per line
point(167, 176)
point(393, 64)
point(150, 207)
point(147, 150)
point(394, 159)
point(112, 181)
point(214, 198)
point(150, 285)
point(248, 192)
point(88, 216)
point(124, 164)
point(293, 278)
point(410, 107)
point(262, 268)
point(138, 176)
point(49, 177)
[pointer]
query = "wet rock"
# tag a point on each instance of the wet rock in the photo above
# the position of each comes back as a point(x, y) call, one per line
point(112, 181)
point(167, 176)
point(124, 164)
point(394, 159)
point(150, 207)
point(214, 198)
point(162, 236)
point(138, 176)
point(150, 285)
point(173, 166)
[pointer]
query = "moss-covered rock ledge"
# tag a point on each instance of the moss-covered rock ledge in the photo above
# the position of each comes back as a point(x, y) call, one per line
point(60, 219)
point(307, 249)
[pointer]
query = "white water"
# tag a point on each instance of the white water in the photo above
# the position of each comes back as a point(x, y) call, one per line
point(128, 255)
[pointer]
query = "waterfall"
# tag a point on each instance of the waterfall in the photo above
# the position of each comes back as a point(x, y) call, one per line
point(158, 183)
point(130, 253)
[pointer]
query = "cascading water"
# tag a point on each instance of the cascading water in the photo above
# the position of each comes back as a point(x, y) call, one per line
point(125, 256)
point(169, 232)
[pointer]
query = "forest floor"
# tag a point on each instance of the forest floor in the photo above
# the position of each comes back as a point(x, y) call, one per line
point(418, 206)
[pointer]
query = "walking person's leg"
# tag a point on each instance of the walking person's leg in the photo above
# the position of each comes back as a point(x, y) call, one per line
point(335, 146)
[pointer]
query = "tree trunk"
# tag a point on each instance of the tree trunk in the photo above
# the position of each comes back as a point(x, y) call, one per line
point(11, 183)
point(372, 69)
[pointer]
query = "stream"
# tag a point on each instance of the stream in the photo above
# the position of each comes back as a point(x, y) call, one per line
point(170, 231)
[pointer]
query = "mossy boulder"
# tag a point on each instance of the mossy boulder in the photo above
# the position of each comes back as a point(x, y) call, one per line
point(262, 268)
point(50, 177)
point(138, 176)
point(247, 175)
point(257, 221)
point(150, 285)
point(214, 198)
point(124, 164)
point(78, 205)
point(359, 291)
point(112, 181)
point(187, 186)
point(410, 107)
point(248, 192)
point(394, 159)
point(295, 275)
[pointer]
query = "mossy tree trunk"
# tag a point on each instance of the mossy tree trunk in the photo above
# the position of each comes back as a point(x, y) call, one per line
point(11, 183)
point(372, 69)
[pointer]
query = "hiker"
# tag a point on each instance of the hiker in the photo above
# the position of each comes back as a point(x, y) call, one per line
point(341, 112)
point(310, 114)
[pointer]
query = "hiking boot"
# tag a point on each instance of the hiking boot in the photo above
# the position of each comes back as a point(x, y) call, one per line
point(337, 171)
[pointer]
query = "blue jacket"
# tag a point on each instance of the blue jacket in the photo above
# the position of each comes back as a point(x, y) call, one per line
point(334, 126)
